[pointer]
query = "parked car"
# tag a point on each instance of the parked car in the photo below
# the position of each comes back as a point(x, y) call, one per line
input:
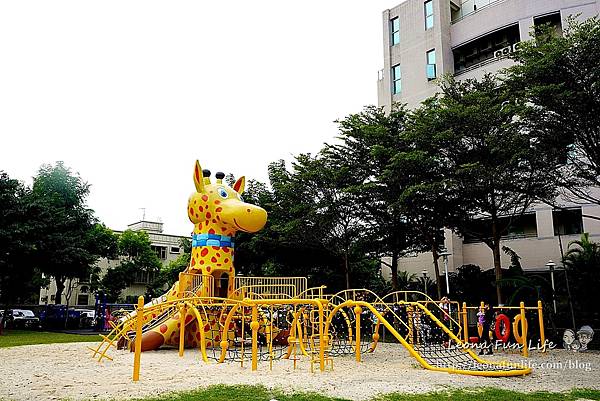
point(54, 317)
point(86, 318)
point(20, 318)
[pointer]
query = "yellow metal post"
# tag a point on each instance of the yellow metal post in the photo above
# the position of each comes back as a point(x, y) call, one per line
point(138, 339)
point(357, 312)
point(409, 316)
point(541, 320)
point(182, 313)
point(180, 286)
point(524, 330)
point(465, 322)
point(323, 336)
point(254, 327)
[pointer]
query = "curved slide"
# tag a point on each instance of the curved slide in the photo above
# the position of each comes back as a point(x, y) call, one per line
point(165, 330)
point(442, 357)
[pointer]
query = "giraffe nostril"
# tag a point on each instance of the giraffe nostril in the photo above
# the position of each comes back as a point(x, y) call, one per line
point(248, 210)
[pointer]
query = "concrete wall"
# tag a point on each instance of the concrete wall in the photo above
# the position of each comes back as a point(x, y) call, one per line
point(415, 41)
point(410, 53)
point(503, 13)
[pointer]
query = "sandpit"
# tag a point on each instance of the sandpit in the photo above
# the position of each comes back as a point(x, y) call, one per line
point(58, 371)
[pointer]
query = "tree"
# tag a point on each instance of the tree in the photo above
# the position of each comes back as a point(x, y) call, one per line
point(471, 285)
point(66, 247)
point(136, 258)
point(489, 158)
point(369, 141)
point(429, 198)
point(582, 261)
point(19, 280)
point(308, 232)
point(407, 281)
point(335, 209)
point(527, 288)
point(557, 78)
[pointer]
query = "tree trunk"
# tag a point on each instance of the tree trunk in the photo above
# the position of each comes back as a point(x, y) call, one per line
point(394, 269)
point(346, 269)
point(436, 266)
point(497, 263)
point(60, 287)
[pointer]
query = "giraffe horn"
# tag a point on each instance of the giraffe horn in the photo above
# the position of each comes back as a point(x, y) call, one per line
point(198, 178)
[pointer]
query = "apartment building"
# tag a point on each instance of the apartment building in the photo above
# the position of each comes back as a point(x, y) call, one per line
point(166, 246)
point(424, 39)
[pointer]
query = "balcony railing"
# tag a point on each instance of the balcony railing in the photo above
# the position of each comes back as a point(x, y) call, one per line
point(481, 5)
point(479, 65)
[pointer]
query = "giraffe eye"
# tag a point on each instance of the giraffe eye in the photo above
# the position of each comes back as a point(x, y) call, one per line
point(223, 193)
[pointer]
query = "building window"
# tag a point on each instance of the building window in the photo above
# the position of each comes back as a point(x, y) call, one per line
point(82, 299)
point(486, 49)
point(394, 31)
point(524, 226)
point(175, 249)
point(431, 70)
point(396, 79)
point(161, 251)
point(553, 21)
point(429, 14)
point(567, 221)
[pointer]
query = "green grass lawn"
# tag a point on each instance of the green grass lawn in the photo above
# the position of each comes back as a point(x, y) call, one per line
point(259, 393)
point(12, 338)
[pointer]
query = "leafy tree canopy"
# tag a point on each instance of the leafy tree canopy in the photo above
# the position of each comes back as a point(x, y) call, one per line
point(135, 258)
point(557, 78)
point(66, 246)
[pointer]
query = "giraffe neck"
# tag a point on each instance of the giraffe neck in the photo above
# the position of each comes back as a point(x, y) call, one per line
point(212, 250)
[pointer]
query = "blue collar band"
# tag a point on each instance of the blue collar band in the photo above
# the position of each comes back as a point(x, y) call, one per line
point(212, 240)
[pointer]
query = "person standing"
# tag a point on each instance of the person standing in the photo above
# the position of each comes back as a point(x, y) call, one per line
point(486, 336)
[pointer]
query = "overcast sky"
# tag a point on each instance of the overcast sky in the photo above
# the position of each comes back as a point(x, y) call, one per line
point(130, 93)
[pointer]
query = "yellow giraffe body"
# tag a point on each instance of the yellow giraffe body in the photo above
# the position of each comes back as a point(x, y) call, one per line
point(217, 212)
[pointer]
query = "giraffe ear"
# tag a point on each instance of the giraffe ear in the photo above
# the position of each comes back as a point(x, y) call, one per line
point(239, 185)
point(198, 179)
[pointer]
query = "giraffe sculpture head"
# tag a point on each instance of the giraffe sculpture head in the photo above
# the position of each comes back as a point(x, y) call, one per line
point(218, 209)
point(218, 212)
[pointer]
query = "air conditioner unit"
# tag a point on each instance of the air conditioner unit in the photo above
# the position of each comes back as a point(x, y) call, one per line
point(516, 46)
point(505, 51)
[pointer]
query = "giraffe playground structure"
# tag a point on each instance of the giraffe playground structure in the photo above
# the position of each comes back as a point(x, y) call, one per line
point(251, 319)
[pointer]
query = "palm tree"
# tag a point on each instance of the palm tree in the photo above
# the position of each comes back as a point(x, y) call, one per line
point(406, 280)
point(527, 288)
point(583, 254)
point(582, 260)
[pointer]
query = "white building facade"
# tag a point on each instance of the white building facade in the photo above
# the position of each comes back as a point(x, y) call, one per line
point(424, 39)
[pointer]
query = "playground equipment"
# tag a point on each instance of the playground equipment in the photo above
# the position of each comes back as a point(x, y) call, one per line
point(504, 329)
point(251, 319)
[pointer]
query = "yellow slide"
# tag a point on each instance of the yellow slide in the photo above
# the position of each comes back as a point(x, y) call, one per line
point(451, 358)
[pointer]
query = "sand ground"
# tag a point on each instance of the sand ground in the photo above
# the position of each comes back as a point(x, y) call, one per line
point(59, 371)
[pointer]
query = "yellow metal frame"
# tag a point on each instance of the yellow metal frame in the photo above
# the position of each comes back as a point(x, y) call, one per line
point(310, 323)
point(291, 286)
point(522, 322)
